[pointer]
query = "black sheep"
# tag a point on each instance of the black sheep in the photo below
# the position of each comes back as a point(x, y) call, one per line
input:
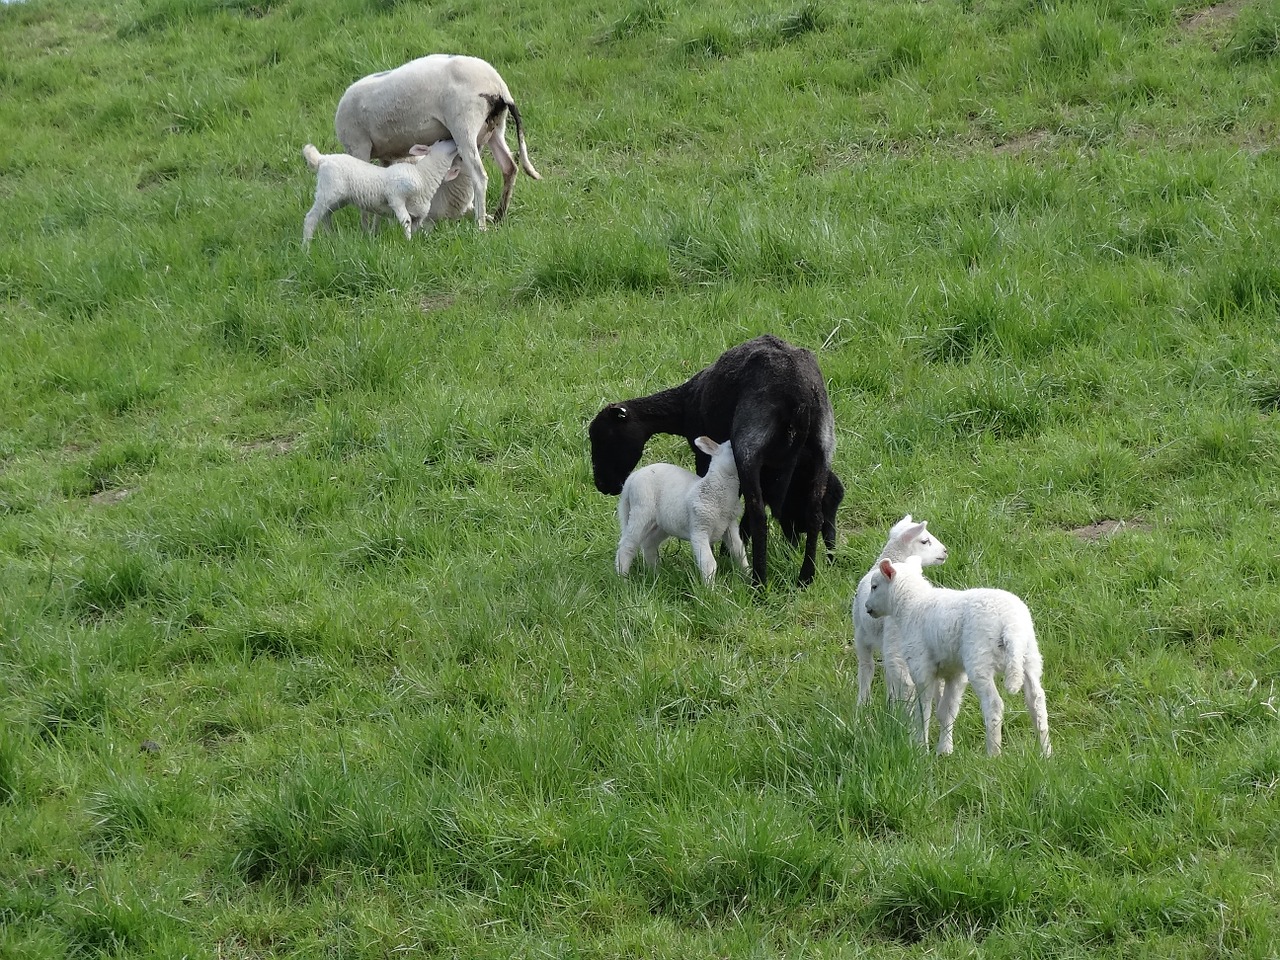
point(769, 398)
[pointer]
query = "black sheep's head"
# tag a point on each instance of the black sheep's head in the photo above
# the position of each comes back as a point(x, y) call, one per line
point(617, 442)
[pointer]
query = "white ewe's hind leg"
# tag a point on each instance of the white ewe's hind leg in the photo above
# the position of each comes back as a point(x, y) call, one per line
point(1034, 694)
point(948, 708)
point(705, 557)
point(472, 166)
point(992, 711)
point(507, 164)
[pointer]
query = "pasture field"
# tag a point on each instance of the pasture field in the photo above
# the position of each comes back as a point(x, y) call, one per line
point(310, 640)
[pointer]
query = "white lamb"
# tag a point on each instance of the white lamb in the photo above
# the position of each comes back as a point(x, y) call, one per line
point(872, 636)
point(663, 500)
point(403, 190)
point(961, 636)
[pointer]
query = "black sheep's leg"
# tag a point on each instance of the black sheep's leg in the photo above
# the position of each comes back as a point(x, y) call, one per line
point(754, 518)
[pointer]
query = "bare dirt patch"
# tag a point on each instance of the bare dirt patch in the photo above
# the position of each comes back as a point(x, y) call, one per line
point(1217, 15)
point(114, 495)
point(1024, 142)
point(433, 303)
point(1101, 529)
point(277, 446)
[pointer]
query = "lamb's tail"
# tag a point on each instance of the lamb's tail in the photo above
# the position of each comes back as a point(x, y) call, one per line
point(524, 150)
point(313, 156)
point(1017, 639)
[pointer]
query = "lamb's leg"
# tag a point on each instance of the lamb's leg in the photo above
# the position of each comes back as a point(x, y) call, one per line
point(626, 553)
point(925, 679)
point(732, 541)
point(402, 217)
point(992, 710)
point(318, 214)
point(948, 707)
point(649, 546)
point(1033, 692)
point(704, 555)
point(866, 670)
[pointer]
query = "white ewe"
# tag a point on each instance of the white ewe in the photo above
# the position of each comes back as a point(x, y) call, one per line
point(959, 635)
point(872, 636)
point(432, 98)
point(403, 190)
point(663, 500)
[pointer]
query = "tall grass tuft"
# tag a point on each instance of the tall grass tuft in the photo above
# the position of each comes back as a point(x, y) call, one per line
point(1256, 33)
point(935, 892)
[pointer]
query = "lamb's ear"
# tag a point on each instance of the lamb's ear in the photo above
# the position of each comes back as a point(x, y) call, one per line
point(887, 569)
point(452, 174)
point(707, 445)
point(913, 531)
point(419, 150)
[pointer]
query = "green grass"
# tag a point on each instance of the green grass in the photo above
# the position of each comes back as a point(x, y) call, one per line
point(310, 640)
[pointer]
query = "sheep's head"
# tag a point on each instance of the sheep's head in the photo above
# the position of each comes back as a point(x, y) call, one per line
point(880, 601)
point(915, 540)
point(617, 441)
point(437, 162)
point(721, 454)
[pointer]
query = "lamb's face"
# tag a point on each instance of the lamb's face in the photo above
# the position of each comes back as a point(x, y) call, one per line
point(879, 595)
point(616, 445)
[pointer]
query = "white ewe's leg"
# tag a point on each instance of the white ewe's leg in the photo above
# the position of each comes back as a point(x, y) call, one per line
point(1034, 694)
point(507, 163)
point(472, 166)
point(948, 708)
point(704, 555)
point(992, 710)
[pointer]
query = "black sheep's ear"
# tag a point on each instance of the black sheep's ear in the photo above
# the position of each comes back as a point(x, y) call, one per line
point(620, 413)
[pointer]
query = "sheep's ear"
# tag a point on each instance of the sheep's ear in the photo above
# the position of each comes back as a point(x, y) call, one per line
point(452, 174)
point(913, 531)
point(419, 150)
point(706, 445)
point(887, 569)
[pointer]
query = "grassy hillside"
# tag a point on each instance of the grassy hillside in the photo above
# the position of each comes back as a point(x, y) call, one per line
point(310, 640)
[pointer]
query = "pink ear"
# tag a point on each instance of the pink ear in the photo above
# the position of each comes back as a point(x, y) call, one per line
point(418, 150)
point(452, 174)
point(887, 569)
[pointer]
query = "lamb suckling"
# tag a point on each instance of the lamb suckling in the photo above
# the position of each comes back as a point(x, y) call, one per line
point(770, 399)
point(403, 190)
point(960, 636)
point(872, 635)
point(433, 98)
point(663, 500)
